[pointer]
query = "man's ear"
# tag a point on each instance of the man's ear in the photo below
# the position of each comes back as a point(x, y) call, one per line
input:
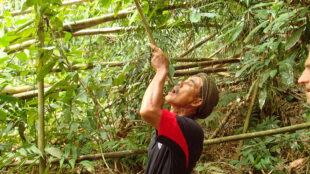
point(196, 103)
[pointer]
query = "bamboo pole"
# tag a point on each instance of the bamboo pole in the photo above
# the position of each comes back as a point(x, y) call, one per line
point(40, 82)
point(206, 63)
point(144, 22)
point(149, 32)
point(223, 122)
point(122, 154)
point(193, 72)
point(202, 59)
point(248, 115)
point(65, 3)
point(258, 134)
point(88, 32)
point(9, 90)
point(86, 23)
point(17, 47)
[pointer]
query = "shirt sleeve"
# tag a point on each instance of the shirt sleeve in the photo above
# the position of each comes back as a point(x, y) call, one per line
point(169, 128)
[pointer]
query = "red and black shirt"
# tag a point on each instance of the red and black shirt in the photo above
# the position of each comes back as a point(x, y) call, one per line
point(176, 145)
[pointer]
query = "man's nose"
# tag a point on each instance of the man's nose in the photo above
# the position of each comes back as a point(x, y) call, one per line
point(304, 78)
point(180, 83)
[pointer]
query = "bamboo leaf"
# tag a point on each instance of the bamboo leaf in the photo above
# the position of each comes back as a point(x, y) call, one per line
point(262, 98)
point(195, 17)
point(46, 69)
point(54, 152)
point(88, 164)
point(22, 56)
point(2, 115)
point(254, 31)
point(294, 39)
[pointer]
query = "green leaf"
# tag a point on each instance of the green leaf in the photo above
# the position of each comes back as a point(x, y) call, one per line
point(195, 17)
point(103, 135)
point(35, 150)
point(286, 72)
point(273, 73)
point(200, 168)
point(119, 80)
point(9, 126)
point(105, 3)
point(22, 56)
point(88, 164)
point(8, 98)
point(54, 152)
point(68, 36)
point(72, 163)
point(254, 31)
point(262, 98)
point(2, 115)
point(236, 32)
point(46, 68)
point(294, 39)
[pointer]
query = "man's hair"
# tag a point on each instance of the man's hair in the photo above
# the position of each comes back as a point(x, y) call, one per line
point(209, 94)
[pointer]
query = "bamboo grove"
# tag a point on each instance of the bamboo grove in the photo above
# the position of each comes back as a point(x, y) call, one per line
point(73, 74)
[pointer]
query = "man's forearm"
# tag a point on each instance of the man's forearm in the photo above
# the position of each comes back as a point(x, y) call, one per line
point(153, 97)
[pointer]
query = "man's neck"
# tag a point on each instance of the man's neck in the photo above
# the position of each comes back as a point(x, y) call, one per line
point(181, 111)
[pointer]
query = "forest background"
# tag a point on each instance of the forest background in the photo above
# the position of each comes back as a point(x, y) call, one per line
point(81, 68)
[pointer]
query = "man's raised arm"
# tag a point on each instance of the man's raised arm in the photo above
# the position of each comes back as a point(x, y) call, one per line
point(153, 99)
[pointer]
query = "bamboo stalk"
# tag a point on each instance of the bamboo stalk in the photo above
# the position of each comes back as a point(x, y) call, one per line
point(206, 63)
point(88, 32)
point(149, 32)
point(86, 23)
point(202, 59)
point(120, 154)
point(17, 47)
point(66, 3)
point(193, 72)
point(41, 132)
point(258, 134)
point(144, 22)
point(223, 122)
point(9, 90)
point(198, 45)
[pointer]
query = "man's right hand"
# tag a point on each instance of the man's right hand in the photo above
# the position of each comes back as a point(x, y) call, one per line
point(159, 60)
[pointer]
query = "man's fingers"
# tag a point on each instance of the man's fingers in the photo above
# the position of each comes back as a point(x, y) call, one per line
point(153, 47)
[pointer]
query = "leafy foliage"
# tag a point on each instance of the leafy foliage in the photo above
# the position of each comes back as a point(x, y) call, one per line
point(95, 110)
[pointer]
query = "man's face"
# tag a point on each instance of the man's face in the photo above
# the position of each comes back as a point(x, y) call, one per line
point(305, 78)
point(185, 92)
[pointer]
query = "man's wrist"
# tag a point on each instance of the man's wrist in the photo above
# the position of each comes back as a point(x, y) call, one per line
point(163, 72)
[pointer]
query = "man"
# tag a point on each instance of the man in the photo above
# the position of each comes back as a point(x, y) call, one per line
point(178, 141)
point(305, 78)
